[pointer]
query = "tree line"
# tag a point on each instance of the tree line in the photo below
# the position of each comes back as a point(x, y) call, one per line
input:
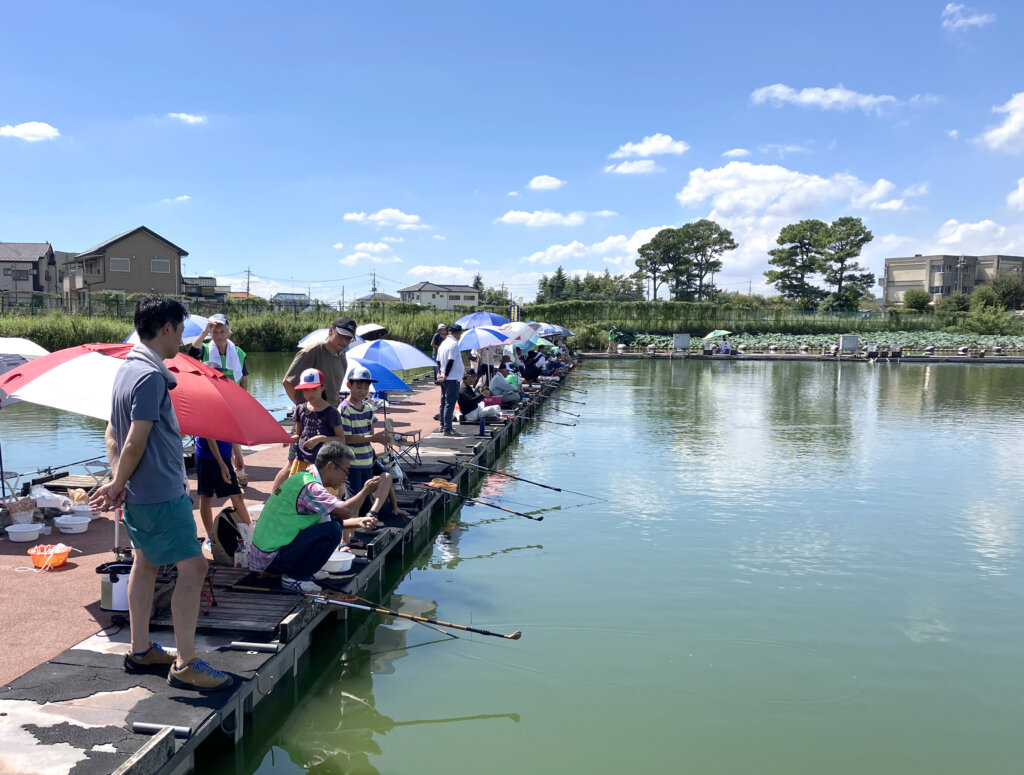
point(811, 254)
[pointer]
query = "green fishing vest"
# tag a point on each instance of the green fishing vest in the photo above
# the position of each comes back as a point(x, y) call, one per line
point(280, 521)
point(223, 360)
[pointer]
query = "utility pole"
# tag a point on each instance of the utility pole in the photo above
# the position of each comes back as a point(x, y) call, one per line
point(373, 288)
point(248, 277)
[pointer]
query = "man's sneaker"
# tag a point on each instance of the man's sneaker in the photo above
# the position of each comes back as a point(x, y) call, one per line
point(453, 433)
point(198, 676)
point(207, 544)
point(305, 587)
point(320, 575)
point(156, 661)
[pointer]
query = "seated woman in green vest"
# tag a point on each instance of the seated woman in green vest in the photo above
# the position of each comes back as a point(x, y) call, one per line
point(302, 523)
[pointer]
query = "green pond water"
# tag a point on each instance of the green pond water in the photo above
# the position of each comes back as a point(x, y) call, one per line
point(786, 568)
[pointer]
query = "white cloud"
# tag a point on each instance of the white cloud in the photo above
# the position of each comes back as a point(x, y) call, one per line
point(545, 183)
point(651, 145)
point(736, 153)
point(874, 197)
point(917, 189)
point(836, 98)
point(1015, 198)
point(956, 16)
point(372, 247)
point(355, 258)
point(953, 134)
point(182, 198)
point(986, 233)
point(338, 245)
point(637, 167)
point(394, 239)
point(471, 261)
point(188, 118)
point(1008, 136)
point(618, 243)
point(30, 131)
point(442, 272)
point(783, 150)
point(439, 237)
point(543, 218)
point(604, 213)
point(513, 193)
point(388, 216)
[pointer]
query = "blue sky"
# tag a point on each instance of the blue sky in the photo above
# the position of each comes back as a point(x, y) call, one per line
point(319, 142)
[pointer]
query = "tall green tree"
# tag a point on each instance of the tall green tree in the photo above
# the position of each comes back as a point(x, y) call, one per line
point(704, 243)
point(840, 245)
point(797, 261)
point(542, 289)
point(478, 282)
point(664, 254)
point(557, 285)
point(1009, 286)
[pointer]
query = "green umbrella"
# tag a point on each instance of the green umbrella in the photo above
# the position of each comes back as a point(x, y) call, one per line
point(717, 332)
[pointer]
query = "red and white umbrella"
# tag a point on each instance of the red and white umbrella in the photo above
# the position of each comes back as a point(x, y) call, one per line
point(206, 402)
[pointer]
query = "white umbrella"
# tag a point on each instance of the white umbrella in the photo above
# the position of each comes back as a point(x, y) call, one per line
point(482, 336)
point(370, 331)
point(194, 325)
point(393, 355)
point(517, 332)
point(320, 335)
point(15, 351)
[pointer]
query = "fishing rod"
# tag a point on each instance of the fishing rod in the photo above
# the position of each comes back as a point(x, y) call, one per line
point(485, 503)
point(570, 401)
point(527, 481)
point(326, 600)
point(562, 411)
point(550, 422)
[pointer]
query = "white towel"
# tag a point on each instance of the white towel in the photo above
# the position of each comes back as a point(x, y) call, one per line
point(229, 360)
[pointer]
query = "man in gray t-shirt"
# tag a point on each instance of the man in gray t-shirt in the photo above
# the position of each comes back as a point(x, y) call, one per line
point(144, 446)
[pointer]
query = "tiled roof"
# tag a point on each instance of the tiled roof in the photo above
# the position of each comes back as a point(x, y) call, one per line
point(434, 287)
point(23, 251)
point(107, 243)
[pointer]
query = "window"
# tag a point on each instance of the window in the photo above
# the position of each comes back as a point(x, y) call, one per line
point(454, 298)
point(21, 274)
point(160, 265)
point(7, 271)
point(120, 264)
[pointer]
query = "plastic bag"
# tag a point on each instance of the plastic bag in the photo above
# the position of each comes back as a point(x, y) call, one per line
point(49, 500)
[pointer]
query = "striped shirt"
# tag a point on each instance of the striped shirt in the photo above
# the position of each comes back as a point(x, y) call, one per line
point(358, 422)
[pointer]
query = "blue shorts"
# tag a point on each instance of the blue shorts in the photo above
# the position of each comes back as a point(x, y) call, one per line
point(164, 532)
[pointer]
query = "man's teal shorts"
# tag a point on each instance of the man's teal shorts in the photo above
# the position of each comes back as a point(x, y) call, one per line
point(164, 532)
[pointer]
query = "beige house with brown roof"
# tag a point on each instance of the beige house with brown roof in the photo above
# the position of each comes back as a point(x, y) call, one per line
point(137, 261)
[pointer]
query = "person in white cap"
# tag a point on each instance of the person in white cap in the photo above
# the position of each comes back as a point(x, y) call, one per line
point(222, 354)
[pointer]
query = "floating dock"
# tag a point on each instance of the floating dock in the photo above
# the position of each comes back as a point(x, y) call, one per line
point(81, 713)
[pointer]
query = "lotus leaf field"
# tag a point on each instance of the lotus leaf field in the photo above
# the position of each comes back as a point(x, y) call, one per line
point(909, 340)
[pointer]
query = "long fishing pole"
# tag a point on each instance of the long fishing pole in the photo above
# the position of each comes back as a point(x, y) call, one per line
point(570, 401)
point(325, 600)
point(485, 503)
point(550, 422)
point(562, 411)
point(527, 481)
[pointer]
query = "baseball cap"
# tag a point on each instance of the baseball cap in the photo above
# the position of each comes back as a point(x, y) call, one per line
point(360, 374)
point(309, 379)
point(503, 365)
point(346, 326)
point(455, 328)
point(219, 318)
point(440, 326)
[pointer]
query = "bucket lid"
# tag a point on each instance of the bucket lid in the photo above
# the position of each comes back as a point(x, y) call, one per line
point(117, 566)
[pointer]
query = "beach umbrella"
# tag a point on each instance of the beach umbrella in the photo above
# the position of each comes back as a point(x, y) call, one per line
point(369, 332)
point(517, 332)
point(482, 336)
point(717, 332)
point(194, 325)
point(477, 319)
point(206, 402)
point(387, 380)
point(550, 329)
point(15, 351)
point(393, 355)
point(320, 335)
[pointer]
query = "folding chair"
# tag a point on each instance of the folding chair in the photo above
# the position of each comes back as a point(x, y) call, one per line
point(406, 443)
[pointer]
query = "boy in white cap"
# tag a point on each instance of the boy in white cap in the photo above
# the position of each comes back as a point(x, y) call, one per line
point(316, 421)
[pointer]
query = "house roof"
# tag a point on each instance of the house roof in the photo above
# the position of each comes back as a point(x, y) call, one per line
point(378, 297)
point(97, 249)
point(242, 295)
point(23, 251)
point(291, 297)
point(426, 286)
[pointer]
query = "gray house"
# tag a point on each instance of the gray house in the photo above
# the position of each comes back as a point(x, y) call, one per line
point(28, 270)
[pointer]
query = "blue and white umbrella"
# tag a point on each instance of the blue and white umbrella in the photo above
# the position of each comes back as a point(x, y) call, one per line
point(387, 380)
point(390, 354)
point(194, 325)
point(550, 329)
point(482, 336)
point(477, 319)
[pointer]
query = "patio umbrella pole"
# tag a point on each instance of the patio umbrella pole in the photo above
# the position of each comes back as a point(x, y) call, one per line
point(3, 480)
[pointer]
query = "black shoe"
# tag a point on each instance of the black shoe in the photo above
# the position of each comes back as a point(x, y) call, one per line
point(437, 417)
point(454, 433)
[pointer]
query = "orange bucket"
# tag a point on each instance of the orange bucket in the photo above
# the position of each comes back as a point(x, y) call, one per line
point(44, 556)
